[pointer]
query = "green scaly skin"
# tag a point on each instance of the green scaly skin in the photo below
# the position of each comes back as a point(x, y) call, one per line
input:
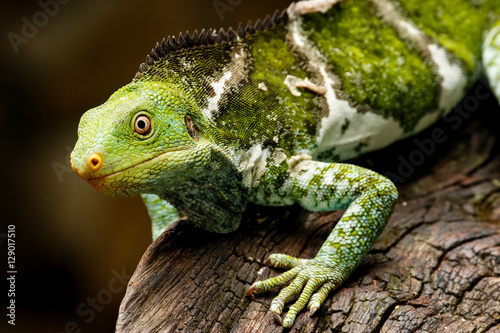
point(213, 121)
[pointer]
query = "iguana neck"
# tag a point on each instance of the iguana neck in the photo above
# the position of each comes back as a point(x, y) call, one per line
point(214, 189)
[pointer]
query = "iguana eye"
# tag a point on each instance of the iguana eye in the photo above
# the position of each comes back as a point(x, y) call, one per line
point(142, 124)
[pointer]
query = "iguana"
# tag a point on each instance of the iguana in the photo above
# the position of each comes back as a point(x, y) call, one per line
point(265, 113)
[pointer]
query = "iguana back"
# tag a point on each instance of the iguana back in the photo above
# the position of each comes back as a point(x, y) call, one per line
point(333, 85)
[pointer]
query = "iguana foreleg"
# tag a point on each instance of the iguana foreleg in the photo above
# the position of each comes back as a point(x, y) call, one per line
point(368, 198)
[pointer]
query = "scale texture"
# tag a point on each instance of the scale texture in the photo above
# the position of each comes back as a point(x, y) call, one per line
point(266, 113)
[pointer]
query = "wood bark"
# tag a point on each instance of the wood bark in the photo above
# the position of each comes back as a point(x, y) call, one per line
point(435, 268)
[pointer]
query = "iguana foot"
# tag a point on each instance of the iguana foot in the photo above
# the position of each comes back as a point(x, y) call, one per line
point(312, 279)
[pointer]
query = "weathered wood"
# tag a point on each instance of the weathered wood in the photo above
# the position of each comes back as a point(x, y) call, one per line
point(435, 268)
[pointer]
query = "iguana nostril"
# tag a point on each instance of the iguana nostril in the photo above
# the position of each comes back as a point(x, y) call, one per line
point(95, 161)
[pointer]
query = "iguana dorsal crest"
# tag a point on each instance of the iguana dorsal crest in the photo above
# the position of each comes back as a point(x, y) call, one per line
point(206, 38)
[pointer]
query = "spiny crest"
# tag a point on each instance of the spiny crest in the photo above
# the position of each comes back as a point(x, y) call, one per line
point(208, 37)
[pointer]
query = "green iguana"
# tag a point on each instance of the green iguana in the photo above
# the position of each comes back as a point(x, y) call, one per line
point(264, 113)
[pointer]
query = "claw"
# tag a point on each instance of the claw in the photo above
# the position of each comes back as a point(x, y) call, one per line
point(251, 290)
point(277, 317)
point(313, 310)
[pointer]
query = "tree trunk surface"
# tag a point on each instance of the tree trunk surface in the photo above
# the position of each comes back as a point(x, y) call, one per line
point(435, 268)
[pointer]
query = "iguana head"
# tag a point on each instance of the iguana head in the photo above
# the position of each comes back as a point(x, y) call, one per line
point(141, 139)
point(154, 135)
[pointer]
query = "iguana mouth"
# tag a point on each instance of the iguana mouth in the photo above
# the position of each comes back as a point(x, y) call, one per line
point(100, 182)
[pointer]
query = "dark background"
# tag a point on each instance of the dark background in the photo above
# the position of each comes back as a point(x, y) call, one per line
point(71, 241)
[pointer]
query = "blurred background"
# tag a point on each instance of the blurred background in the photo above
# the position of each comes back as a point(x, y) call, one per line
point(75, 248)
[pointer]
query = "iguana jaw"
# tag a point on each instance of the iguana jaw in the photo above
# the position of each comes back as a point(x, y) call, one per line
point(125, 181)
